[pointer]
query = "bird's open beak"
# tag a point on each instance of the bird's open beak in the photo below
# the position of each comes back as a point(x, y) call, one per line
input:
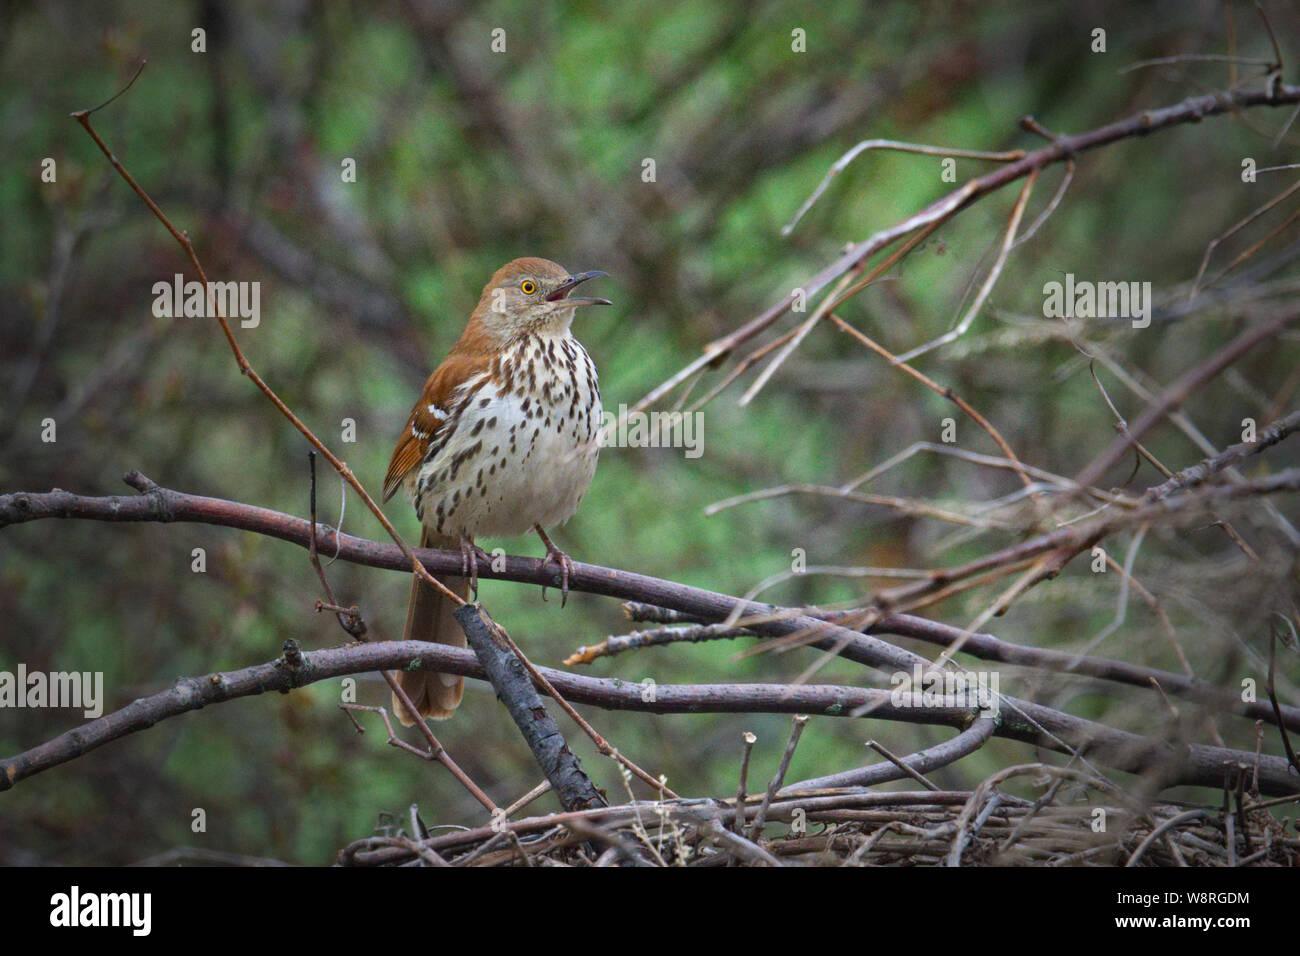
point(563, 290)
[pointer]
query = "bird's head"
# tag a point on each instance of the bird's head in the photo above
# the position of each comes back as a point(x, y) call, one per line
point(532, 296)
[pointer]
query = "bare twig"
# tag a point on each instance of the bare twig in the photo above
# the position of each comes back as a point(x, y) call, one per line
point(743, 786)
point(756, 828)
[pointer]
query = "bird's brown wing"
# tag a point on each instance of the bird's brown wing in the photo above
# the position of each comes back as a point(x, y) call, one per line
point(433, 419)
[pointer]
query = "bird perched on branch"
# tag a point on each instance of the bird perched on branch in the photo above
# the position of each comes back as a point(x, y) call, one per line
point(503, 440)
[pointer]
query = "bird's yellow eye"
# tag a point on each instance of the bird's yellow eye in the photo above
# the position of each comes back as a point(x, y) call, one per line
point(528, 286)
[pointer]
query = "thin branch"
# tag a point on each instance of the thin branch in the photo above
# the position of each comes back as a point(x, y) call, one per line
point(889, 144)
point(1177, 393)
point(1063, 148)
point(796, 731)
point(743, 783)
point(945, 391)
point(990, 280)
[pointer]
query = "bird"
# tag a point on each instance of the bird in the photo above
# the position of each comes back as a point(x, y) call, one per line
point(503, 440)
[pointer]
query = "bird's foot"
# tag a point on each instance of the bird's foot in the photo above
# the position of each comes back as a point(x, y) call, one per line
point(470, 553)
point(555, 556)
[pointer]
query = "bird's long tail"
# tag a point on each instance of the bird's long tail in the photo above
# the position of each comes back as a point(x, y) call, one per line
point(429, 618)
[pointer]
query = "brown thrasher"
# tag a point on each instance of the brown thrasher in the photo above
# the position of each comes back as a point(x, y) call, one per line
point(503, 440)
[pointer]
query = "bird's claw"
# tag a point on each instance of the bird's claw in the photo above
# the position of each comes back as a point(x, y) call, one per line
point(469, 555)
point(565, 562)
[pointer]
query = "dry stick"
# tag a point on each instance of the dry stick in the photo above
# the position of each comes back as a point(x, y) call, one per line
point(1276, 71)
point(905, 505)
point(741, 788)
point(943, 390)
point(1194, 475)
point(246, 368)
point(842, 163)
point(373, 851)
point(967, 814)
point(801, 332)
point(1036, 564)
point(1232, 230)
point(962, 586)
point(864, 619)
point(1050, 208)
point(1256, 246)
point(1154, 604)
point(1046, 566)
point(1043, 801)
point(742, 847)
point(967, 576)
point(1163, 828)
point(1285, 392)
point(652, 637)
point(426, 853)
point(617, 843)
point(1272, 696)
point(1194, 58)
point(355, 626)
point(1239, 799)
point(995, 272)
point(511, 680)
point(654, 614)
point(989, 647)
point(796, 730)
point(527, 798)
point(860, 619)
point(1184, 424)
point(898, 762)
point(1068, 542)
point(349, 619)
point(743, 366)
point(1286, 127)
point(501, 836)
point(162, 504)
point(1121, 425)
point(833, 299)
point(1032, 575)
point(1177, 393)
point(1232, 48)
point(393, 739)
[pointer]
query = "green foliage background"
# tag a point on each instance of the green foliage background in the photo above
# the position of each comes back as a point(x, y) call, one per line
point(466, 159)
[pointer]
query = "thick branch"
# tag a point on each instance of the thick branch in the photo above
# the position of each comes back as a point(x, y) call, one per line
point(1020, 719)
point(923, 761)
point(511, 680)
point(164, 505)
point(1176, 764)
